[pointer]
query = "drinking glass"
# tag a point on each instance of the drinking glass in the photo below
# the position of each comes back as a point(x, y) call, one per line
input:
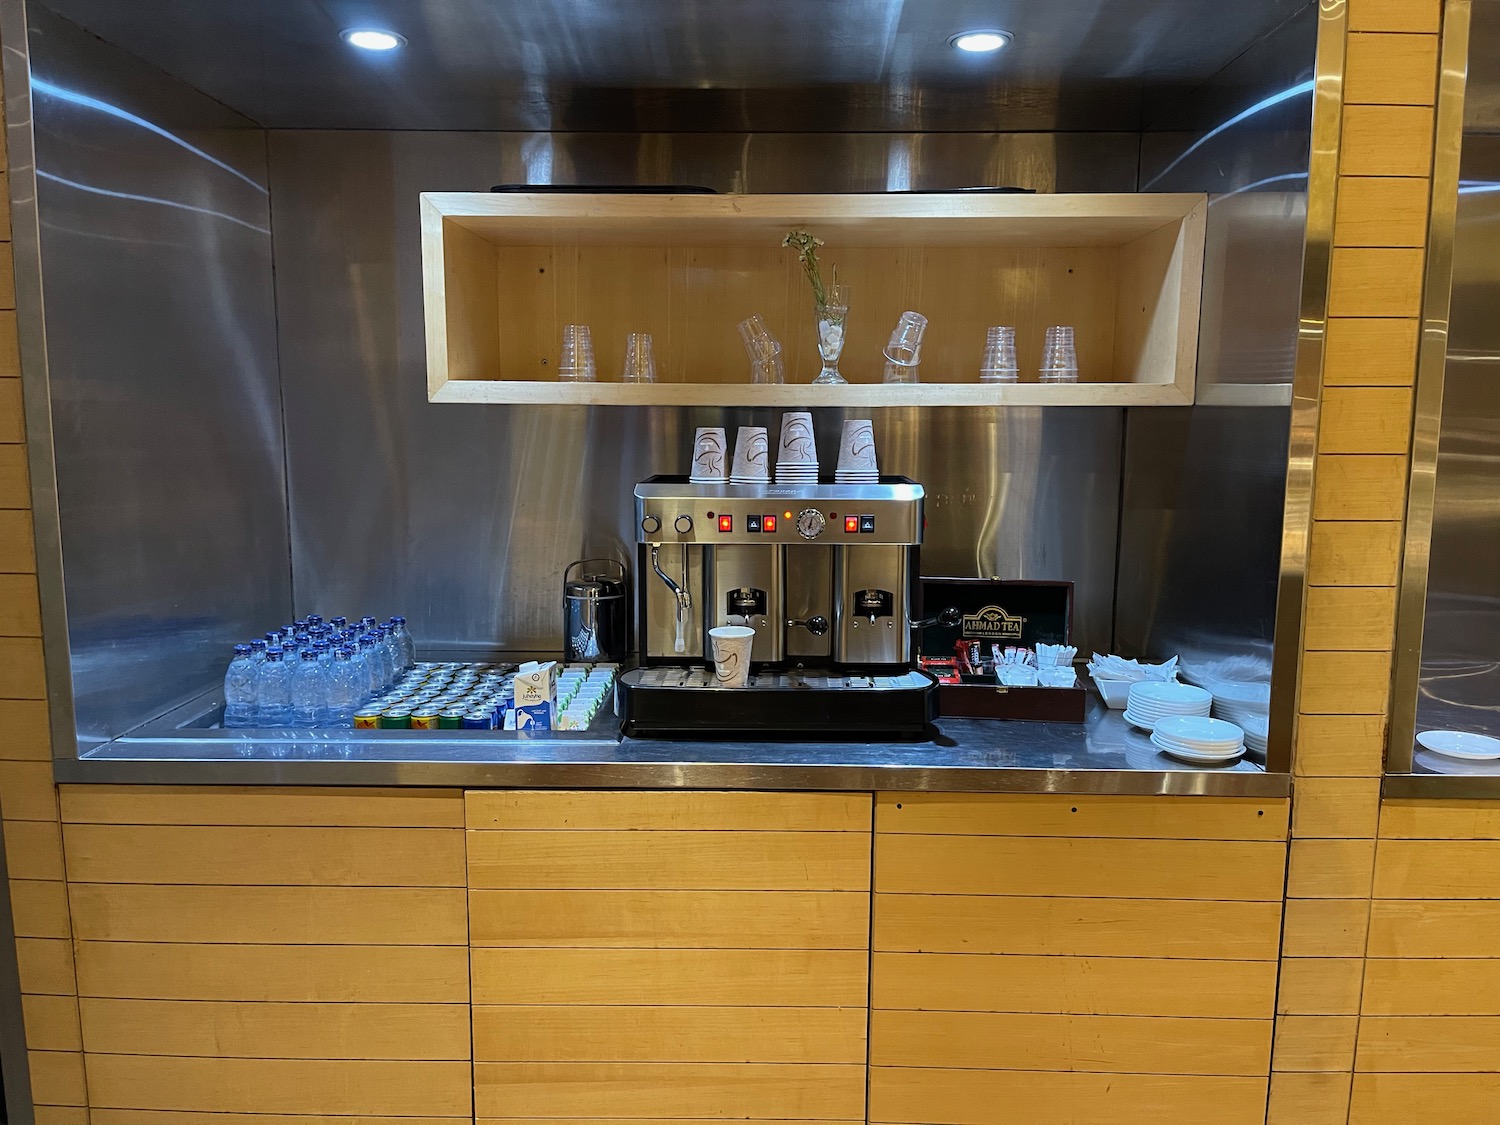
point(764, 351)
point(1059, 356)
point(999, 362)
point(903, 354)
point(577, 362)
point(832, 317)
point(640, 364)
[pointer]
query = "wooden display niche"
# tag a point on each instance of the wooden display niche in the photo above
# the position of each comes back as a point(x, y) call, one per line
point(503, 273)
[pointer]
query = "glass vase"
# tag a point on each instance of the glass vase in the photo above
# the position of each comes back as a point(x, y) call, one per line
point(832, 314)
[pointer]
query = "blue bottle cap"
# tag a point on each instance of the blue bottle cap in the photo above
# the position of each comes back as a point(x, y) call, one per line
point(275, 652)
point(241, 650)
point(257, 644)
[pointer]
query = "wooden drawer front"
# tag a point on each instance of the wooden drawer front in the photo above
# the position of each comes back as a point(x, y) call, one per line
point(1037, 960)
point(669, 955)
point(243, 955)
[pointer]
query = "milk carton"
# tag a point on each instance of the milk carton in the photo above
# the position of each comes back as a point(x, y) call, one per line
point(536, 694)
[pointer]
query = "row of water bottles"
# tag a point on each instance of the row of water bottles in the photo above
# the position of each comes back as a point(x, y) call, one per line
point(313, 673)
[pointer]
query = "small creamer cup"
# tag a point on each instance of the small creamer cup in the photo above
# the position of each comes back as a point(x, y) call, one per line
point(752, 458)
point(710, 454)
point(857, 449)
point(798, 446)
point(731, 646)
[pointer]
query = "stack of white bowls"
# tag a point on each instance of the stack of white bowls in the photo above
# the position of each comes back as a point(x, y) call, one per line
point(1202, 741)
point(1247, 705)
point(1154, 700)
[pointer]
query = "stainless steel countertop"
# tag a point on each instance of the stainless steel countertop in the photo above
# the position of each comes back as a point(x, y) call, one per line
point(1101, 755)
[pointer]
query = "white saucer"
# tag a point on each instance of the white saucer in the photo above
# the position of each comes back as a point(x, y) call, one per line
point(1461, 744)
point(1203, 760)
point(1139, 723)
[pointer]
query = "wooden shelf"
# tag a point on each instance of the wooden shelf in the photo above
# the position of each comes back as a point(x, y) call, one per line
point(504, 272)
point(499, 391)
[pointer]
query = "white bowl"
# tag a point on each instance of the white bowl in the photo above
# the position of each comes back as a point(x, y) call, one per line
point(1115, 693)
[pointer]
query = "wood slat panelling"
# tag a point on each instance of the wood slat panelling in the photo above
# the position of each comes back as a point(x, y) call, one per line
point(1362, 553)
point(61, 1115)
point(1343, 807)
point(1440, 820)
point(793, 977)
point(1117, 986)
point(17, 549)
point(270, 807)
point(1432, 987)
point(1434, 929)
point(1372, 352)
point(986, 1097)
point(33, 850)
point(269, 915)
point(1353, 487)
point(12, 415)
point(1339, 745)
point(1349, 617)
point(969, 814)
point(650, 1121)
point(1085, 868)
point(1306, 1042)
point(328, 974)
point(697, 810)
point(255, 856)
point(99, 1116)
point(39, 908)
point(1374, 281)
point(1440, 1044)
point(45, 966)
point(276, 1086)
point(1076, 927)
point(1365, 420)
point(1320, 985)
point(1438, 869)
point(22, 672)
point(1425, 1099)
point(614, 860)
point(676, 1034)
point(1386, 140)
point(20, 609)
point(1330, 868)
point(15, 483)
point(1395, 15)
point(1344, 683)
point(1046, 1042)
point(1382, 69)
point(25, 734)
point(1325, 927)
point(51, 1023)
point(820, 1091)
point(1380, 211)
point(671, 919)
point(1309, 1098)
point(276, 1031)
point(57, 1078)
point(26, 791)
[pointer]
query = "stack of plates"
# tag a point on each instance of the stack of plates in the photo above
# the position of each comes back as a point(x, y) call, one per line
point(1254, 727)
point(1246, 704)
point(1154, 700)
point(1199, 740)
point(796, 472)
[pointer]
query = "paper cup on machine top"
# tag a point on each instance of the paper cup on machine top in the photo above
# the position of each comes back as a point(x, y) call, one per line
point(798, 446)
point(857, 450)
point(731, 651)
point(752, 457)
point(710, 456)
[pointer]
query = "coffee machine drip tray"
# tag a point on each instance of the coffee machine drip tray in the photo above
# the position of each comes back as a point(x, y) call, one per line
point(688, 703)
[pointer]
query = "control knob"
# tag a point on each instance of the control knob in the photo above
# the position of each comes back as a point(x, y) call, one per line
point(683, 525)
point(651, 525)
point(810, 523)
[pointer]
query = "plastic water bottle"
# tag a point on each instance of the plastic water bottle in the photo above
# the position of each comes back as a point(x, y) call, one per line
point(239, 689)
point(406, 644)
point(273, 689)
point(307, 690)
point(371, 661)
point(392, 651)
point(344, 688)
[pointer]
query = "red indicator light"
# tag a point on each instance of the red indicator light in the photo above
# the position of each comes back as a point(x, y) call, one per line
point(768, 522)
point(851, 525)
point(726, 523)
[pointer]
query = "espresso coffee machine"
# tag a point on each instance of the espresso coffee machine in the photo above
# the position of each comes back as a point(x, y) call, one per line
point(827, 576)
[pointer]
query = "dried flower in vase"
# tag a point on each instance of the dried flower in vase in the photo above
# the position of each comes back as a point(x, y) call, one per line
point(807, 253)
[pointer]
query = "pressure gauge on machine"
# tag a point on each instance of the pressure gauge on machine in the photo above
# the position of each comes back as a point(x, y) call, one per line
point(810, 523)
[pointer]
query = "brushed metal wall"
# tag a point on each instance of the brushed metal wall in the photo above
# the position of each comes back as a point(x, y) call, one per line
point(1201, 510)
point(463, 517)
point(156, 252)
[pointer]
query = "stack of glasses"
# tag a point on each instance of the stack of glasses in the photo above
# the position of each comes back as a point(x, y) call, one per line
point(577, 362)
point(1059, 356)
point(640, 363)
point(903, 355)
point(764, 351)
point(999, 362)
point(797, 456)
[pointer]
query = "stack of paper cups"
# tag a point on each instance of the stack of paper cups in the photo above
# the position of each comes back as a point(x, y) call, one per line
point(857, 463)
point(751, 456)
point(710, 456)
point(797, 456)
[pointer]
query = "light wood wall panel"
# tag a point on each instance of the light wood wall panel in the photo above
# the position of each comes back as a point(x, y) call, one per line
point(241, 955)
point(1035, 960)
point(669, 954)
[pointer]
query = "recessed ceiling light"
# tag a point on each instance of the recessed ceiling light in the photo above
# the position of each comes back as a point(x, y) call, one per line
point(980, 42)
point(372, 39)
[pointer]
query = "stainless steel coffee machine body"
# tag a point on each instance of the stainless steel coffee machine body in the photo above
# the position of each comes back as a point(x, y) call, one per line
point(824, 573)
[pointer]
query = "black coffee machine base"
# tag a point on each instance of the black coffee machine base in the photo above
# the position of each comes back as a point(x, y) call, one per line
point(667, 702)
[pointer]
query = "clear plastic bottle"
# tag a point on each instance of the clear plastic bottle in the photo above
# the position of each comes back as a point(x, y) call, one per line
point(307, 690)
point(392, 649)
point(325, 669)
point(371, 661)
point(239, 689)
point(406, 644)
point(273, 689)
point(344, 689)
